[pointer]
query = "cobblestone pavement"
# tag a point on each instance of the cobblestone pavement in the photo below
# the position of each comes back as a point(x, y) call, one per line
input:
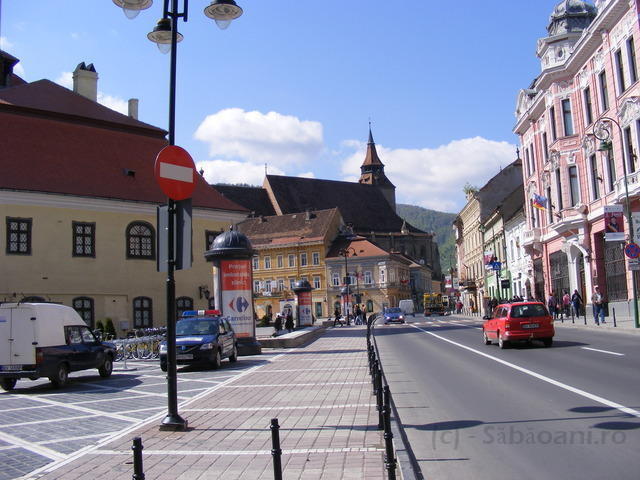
point(321, 395)
point(40, 425)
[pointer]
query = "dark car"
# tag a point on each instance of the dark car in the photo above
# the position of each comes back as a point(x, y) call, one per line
point(393, 315)
point(520, 321)
point(202, 337)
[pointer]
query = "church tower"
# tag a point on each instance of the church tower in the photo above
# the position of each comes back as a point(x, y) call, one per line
point(372, 173)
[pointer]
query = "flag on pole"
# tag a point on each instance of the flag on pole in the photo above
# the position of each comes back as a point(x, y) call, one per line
point(539, 202)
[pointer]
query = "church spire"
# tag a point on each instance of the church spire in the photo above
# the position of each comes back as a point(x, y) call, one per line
point(372, 172)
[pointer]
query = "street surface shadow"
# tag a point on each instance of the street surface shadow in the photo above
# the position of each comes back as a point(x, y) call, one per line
point(78, 385)
point(617, 425)
point(329, 352)
point(450, 425)
point(535, 344)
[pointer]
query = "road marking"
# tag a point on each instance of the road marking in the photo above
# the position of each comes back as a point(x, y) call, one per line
point(590, 396)
point(603, 351)
point(32, 447)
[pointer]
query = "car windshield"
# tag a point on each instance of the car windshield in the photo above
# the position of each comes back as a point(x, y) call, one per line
point(196, 326)
point(394, 310)
point(525, 311)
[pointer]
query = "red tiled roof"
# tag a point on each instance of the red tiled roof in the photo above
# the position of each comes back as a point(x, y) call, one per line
point(362, 247)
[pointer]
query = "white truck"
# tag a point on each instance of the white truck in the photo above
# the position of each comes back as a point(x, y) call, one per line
point(48, 340)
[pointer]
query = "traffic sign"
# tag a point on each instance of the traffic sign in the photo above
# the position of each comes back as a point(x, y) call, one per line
point(175, 172)
point(632, 250)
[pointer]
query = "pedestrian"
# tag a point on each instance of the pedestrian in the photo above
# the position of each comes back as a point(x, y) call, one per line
point(552, 305)
point(576, 303)
point(336, 317)
point(358, 315)
point(459, 307)
point(288, 323)
point(277, 324)
point(566, 304)
point(597, 299)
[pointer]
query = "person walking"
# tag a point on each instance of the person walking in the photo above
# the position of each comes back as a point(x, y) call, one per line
point(566, 304)
point(597, 299)
point(277, 325)
point(576, 303)
point(552, 305)
point(358, 315)
point(336, 319)
point(288, 323)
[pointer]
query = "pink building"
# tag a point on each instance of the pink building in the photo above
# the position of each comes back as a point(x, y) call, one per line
point(587, 90)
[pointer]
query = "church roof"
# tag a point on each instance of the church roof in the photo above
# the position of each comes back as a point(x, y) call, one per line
point(254, 199)
point(371, 158)
point(363, 206)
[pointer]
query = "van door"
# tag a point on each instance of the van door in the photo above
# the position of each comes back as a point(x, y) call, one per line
point(17, 327)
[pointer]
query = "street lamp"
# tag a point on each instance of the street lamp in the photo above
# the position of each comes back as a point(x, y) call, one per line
point(166, 36)
point(602, 131)
point(346, 253)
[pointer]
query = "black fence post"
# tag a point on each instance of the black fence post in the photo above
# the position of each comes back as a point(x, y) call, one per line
point(374, 377)
point(276, 451)
point(614, 317)
point(389, 458)
point(138, 470)
point(379, 399)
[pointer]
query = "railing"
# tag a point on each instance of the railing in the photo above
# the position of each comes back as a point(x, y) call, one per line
point(530, 236)
point(633, 183)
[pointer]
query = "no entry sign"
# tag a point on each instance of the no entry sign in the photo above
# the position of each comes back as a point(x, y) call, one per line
point(175, 172)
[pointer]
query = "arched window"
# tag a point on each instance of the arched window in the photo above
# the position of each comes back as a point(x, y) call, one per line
point(369, 306)
point(141, 240)
point(84, 307)
point(183, 304)
point(142, 312)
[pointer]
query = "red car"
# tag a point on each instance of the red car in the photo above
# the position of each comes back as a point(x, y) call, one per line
point(519, 321)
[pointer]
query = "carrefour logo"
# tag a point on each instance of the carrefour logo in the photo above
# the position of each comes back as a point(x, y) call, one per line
point(239, 304)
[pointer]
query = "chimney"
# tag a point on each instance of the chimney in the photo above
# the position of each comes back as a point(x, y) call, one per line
point(85, 81)
point(133, 108)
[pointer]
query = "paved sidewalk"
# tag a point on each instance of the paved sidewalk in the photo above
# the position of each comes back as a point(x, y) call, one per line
point(321, 395)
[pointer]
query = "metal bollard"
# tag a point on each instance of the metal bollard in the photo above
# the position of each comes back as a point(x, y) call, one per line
point(276, 451)
point(374, 378)
point(389, 458)
point(379, 399)
point(614, 317)
point(138, 471)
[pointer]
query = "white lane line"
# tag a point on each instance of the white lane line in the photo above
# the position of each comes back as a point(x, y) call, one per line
point(217, 453)
point(590, 396)
point(294, 384)
point(603, 351)
point(287, 407)
point(32, 447)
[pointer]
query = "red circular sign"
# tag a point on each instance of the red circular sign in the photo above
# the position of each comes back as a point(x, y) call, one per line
point(632, 250)
point(175, 172)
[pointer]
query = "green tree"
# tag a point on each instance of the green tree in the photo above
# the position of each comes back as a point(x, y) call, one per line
point(109, 329)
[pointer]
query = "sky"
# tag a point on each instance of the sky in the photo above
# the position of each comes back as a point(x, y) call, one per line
point(291, 86)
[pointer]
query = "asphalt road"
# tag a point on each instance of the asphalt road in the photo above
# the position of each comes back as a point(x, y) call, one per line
point(471, 410)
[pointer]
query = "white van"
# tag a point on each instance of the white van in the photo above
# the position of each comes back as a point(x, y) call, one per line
point(48, 340)
point(407, 307)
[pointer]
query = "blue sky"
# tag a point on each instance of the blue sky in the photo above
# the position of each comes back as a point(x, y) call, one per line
point(294, 83)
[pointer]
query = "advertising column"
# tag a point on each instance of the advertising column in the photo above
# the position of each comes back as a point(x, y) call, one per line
point(236, 296)
point(303, 289)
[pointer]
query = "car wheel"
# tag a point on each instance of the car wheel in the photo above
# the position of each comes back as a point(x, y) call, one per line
point(487, 340)
point(547, 342)
point(61, 377)
point(216, 360)
point(8, 384)
point(107, 367)
point(502, 343)
point(234, 354)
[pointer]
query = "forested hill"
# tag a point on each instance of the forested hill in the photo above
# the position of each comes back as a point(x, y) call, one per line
point(432, 221)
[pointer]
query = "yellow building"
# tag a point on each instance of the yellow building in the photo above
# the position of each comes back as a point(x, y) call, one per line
point(78, 208)
point(290, 248)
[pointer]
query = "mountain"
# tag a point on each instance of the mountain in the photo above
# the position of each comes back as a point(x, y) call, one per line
point(440, 223)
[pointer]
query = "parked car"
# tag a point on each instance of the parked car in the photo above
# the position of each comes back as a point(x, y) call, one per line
point(393, 315)
point(520, 321)
point(407, 307)
point(48, 340)
point(202, 337)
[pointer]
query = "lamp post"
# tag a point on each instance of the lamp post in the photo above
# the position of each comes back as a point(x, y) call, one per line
point(602, 131)
point(346, 253)
point(165, 35)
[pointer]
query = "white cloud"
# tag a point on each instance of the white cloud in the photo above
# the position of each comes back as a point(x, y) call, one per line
point(5, 44)
point(66, 80)
point(307, 175)
point(231, 171)
point(274, 138)
point(18, 69)
point(114, 103)
point(434, 178)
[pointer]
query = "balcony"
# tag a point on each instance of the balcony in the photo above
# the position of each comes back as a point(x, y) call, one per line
point(530, 237)
point(633, 182)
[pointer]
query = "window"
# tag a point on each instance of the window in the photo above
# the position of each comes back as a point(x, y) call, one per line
point(84, 307)
point(18, 236)
point(84, 239)
point(527, 162)
point(620, 71)
point(534, 223)
point(280, 261)
point(141, 241)
point(369, 306)
point(631, 56)
point(318, 307)
point(595, 178)
point(611, 169)
point(533, 158)
point(574, 186)
point(267, 286)
point(383, 278)
point(368, 278)
point(281, 284)
point(303, 259)
point(545, 147)
point(256, 286)
point(567, 120)
point(267, 263)
point(292, 260)
point(255, 262)
point(628, 141)
point(292, 283)
point(183, 304)
point(315, 258)
point(142, 312)
point(552, 121)
point(316, 282)
point(559, 189)
point(588, 109)
point(549, 207)
point(335, 279)
point(604, 91)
